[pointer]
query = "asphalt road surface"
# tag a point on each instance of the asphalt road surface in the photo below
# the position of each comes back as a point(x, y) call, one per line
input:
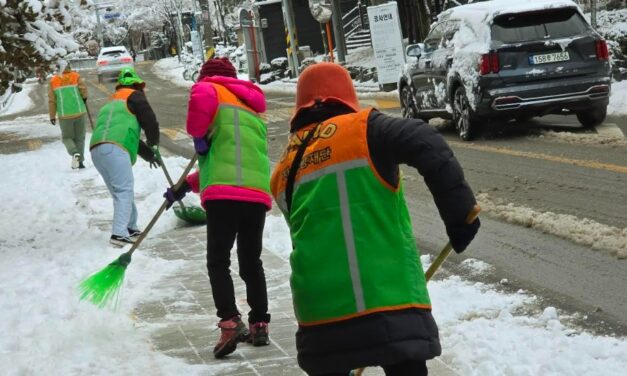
point(566, 171)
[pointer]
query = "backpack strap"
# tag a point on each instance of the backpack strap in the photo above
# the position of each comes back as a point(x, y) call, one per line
point(291, 176)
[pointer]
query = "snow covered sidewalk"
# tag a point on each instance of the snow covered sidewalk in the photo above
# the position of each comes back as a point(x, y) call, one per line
point(55, 227)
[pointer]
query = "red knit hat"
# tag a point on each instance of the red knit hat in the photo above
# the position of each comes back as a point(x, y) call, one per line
point(217, 67)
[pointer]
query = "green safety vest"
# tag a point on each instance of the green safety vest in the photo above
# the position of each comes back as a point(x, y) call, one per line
point(239, 149)
point(117, 125)
point(354, 252)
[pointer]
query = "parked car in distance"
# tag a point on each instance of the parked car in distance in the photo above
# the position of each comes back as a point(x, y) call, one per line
point(111, 60)
point(501, 60)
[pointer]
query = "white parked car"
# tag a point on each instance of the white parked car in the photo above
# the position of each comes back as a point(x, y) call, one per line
point(111, 60)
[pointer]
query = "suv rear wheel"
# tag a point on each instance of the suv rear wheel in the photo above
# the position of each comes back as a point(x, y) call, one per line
point(462, 115)
point(593, 117)
point(408, 109)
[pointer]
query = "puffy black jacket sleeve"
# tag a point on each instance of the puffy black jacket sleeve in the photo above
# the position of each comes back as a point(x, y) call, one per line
point(139, 106)
point(393, 141)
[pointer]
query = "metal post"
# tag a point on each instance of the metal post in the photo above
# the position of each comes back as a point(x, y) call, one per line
point(292, 48)
point(99, 25)
point(593, 13)
point(338, 31)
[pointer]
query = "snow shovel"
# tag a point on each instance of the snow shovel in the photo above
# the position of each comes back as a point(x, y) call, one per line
point(190, 214)
point(474, 213)
point(103, 287)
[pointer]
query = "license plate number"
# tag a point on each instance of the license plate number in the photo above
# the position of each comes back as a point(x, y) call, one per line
point(549, 58)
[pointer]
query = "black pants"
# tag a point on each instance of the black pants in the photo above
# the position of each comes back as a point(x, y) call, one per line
point(226, 221)
point(408, 368)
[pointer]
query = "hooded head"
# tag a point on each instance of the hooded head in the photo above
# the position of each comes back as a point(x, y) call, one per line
point(128, 77)
point(324, 84)
point(217, 67)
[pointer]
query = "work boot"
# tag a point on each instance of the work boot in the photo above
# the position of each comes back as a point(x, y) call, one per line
point(233, 331)
point(259, 334)
point(76, 160)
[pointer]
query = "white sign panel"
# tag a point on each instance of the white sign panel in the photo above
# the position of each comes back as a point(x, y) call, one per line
point(387, 41)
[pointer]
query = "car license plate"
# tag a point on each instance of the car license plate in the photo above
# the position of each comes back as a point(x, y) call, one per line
point(549, 58)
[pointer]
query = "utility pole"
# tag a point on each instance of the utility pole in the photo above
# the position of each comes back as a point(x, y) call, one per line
point(593, 13)
point(338, 31)
point(98, 25)
point(291, 37)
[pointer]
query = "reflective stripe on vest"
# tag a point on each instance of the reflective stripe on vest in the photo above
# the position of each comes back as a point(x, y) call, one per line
point(354, 250)
point(67, 94)
point(116, 124)
point(239, 152)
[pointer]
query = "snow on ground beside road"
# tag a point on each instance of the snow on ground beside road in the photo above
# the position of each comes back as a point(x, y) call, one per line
point(583, 138)
point(18, 102)
point(618, 99)
point(582, 231)
point(47, 246)
point(171, 70)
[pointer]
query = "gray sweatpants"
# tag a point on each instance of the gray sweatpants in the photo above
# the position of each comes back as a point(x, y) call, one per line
point(73, 135)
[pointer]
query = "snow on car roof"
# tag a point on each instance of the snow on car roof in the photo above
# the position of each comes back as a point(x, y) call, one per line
point(114, 48)
point(488, 10)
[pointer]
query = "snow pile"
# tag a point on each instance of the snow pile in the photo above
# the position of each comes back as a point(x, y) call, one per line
point(171, 69)
point(13, 103)
point(582, 231)
point(584, 139)
point(276, 236)
point(618, 99)
point(477, 267)
point(49, 241)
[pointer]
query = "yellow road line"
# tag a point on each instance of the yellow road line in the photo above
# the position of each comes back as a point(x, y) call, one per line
point(383, 104)
point(546, 157)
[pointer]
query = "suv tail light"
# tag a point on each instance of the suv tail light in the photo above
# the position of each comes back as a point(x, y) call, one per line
point(602, 52)
point(102, 62)
point(489, 63)
point(126, 59)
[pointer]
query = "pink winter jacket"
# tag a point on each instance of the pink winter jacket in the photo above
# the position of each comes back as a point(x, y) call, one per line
point(202, 109)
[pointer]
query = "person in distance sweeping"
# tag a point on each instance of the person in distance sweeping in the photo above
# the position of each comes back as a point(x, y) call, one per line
point(67, 96)
point(115, 145)
point(234, 178)
point(358, 286)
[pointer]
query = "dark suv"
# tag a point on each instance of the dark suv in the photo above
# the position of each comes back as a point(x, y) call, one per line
point(503, 60)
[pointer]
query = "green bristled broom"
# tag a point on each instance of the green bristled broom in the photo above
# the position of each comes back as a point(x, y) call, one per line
point(102, 288)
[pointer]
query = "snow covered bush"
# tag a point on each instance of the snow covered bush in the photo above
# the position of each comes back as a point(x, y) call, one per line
point(34, 35)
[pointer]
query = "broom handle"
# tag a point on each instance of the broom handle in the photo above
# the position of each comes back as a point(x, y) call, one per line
point(91, 122)
point(474, 213)
point(169, 178)
point(161, 209)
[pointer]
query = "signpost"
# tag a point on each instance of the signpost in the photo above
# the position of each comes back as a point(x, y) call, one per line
point(385, 30)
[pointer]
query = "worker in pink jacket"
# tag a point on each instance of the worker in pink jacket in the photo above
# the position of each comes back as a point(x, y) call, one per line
point(234, 181)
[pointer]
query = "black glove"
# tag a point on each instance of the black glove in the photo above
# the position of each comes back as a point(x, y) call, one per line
point(172, 194)
point(151, 159)
point(53, 121)
point(462, 235)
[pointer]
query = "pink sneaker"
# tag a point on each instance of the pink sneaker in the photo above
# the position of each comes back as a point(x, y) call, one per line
point(233, 332)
